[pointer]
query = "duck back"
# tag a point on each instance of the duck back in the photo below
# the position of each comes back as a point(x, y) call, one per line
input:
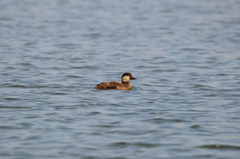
point(113, 85)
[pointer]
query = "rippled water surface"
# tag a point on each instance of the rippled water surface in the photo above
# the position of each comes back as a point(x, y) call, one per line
point(184, 104)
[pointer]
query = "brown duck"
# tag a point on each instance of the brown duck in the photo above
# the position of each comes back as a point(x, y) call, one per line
point(125, 85)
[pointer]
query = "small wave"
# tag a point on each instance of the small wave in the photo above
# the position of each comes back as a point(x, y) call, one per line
point(221, 147)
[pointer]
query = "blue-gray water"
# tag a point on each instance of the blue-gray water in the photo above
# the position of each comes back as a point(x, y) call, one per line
point(184, 104)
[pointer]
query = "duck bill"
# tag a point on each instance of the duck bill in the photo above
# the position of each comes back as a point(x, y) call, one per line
point(132, 78)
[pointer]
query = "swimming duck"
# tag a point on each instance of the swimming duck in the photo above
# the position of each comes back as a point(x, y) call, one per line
point(125, 85)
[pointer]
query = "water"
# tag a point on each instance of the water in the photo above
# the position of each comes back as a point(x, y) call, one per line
point(184, 103)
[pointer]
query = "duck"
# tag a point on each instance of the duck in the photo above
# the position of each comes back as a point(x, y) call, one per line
point(125, 85)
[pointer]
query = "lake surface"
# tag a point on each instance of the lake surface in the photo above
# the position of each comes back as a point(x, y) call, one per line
point(184, 104)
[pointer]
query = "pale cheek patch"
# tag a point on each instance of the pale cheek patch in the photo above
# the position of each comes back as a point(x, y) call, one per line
point(125, 78)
